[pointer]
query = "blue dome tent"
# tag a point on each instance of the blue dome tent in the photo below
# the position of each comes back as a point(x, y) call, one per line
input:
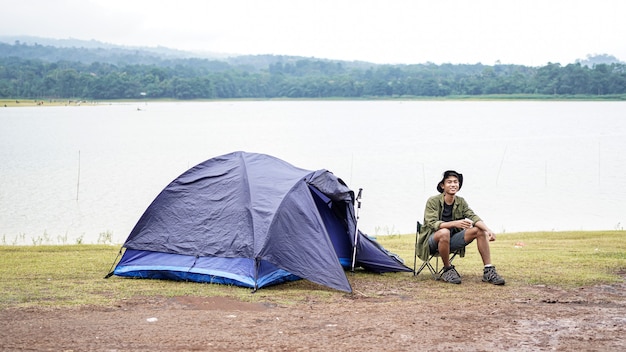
point(251, 220)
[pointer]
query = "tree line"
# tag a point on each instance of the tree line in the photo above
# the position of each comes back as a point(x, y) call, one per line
point(197, 78)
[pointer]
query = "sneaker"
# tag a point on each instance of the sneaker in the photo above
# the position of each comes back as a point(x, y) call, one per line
point(451, 275)
point(491, 276)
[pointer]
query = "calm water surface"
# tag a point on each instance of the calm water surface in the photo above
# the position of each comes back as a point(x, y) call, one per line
point(70, 174)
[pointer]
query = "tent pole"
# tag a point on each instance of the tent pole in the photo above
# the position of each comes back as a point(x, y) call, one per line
point(113, 264)
point(257, 263)
point(356, 227)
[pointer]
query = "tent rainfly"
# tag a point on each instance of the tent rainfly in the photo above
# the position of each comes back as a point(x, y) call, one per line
point(252, 220)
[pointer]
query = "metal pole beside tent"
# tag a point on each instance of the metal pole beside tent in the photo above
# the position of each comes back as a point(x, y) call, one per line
point(356, 228)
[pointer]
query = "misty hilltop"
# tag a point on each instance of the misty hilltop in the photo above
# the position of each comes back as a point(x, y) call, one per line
point(90, 51)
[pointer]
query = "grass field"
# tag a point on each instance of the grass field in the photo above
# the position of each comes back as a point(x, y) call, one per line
point(71, 275)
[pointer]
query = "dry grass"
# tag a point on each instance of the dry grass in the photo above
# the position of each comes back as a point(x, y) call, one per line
point(70, 275)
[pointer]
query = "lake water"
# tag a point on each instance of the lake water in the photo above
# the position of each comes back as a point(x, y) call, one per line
point(73, 173)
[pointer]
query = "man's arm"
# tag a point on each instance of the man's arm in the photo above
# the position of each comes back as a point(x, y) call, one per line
point(457, 224)
point(431, 214)
point(491, 236)
point(478, 222)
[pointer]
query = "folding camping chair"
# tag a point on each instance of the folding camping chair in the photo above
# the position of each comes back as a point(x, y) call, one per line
point(434, 271)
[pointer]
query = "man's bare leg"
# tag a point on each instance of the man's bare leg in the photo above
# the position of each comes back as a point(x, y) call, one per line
point(442, 238)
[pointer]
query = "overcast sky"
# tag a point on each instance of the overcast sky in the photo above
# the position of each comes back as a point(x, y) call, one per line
point(527, 32)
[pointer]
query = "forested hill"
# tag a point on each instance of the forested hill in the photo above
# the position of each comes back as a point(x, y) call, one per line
point(51, 72)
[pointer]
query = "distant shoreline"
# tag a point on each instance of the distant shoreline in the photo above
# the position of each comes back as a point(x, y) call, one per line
point(13, 103)
point(503, 97)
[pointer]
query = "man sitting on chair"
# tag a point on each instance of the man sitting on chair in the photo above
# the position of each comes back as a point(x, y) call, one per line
point(450, 225)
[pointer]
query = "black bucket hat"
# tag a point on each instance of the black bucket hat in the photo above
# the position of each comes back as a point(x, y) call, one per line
point(447, 174)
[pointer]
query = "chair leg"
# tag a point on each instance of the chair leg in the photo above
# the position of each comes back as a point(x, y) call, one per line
point(424, 265)
point(417, 233)
point(435, 271)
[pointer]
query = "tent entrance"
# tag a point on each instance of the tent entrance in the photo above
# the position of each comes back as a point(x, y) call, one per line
point(334, 219)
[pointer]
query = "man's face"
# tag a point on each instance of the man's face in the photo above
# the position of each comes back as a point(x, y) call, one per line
point(451, 185)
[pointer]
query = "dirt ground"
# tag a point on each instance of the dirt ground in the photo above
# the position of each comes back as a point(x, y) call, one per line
point(527, 318)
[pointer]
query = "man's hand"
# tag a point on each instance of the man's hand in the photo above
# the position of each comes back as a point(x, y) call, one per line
point(464, 224)
point(491, 236)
